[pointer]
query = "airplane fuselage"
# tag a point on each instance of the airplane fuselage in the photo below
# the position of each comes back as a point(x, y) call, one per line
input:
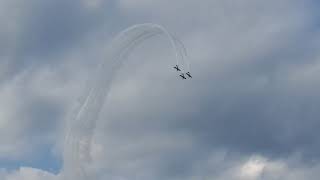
point(189, 75)
point(177, 68)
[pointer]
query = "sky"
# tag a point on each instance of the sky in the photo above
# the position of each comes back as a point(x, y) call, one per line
point(249, 113)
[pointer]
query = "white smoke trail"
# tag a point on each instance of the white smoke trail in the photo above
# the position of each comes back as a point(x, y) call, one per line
point(81, 126)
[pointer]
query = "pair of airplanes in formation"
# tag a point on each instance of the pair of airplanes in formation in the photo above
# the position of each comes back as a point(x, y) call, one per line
point(182, 75)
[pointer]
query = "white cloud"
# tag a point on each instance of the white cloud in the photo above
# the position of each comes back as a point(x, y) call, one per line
point(258, 167)
point(252, 168)
point(26, 173)
point(29, 103)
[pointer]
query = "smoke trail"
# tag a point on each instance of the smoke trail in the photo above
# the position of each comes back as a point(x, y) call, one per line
point(81, 126)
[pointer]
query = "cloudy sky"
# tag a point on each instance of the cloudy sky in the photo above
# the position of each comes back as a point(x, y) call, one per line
point(249, 113)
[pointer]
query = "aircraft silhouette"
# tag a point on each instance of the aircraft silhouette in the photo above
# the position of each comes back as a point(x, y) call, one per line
point(177, 68)
point(182, 76)
point(189, 75)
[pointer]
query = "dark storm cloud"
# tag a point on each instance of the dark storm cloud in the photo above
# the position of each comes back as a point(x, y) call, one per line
point(45, 31)
point(254, 93)
point(258, 108)
point(51, 26)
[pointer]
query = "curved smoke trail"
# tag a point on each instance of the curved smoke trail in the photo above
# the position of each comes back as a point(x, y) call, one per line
point(81, 126)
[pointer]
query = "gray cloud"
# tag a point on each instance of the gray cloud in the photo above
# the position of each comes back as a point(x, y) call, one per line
point(254, 91)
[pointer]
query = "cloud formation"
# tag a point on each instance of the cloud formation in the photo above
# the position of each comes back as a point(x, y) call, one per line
point(249, 113)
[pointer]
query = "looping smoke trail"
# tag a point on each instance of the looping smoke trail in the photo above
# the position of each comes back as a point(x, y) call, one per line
point(81, 126)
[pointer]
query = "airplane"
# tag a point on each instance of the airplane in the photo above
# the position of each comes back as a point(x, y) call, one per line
point(188, 73)
point(177, 68)
point(182, 76)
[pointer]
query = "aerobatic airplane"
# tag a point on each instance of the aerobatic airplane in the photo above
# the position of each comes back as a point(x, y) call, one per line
point(177, 68)
point(182, 76)
point(188, 73)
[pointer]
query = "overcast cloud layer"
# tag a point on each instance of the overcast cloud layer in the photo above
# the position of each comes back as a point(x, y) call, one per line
point(250, 112)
